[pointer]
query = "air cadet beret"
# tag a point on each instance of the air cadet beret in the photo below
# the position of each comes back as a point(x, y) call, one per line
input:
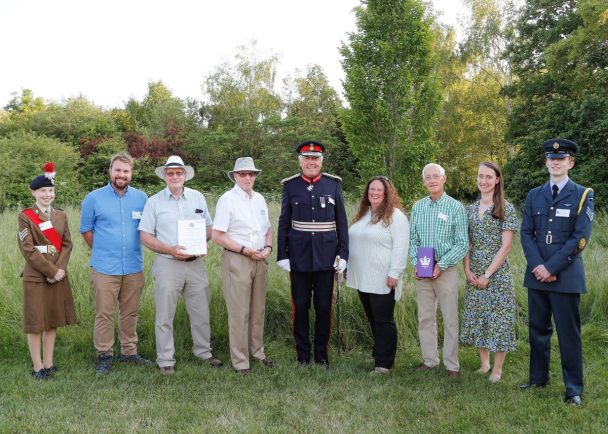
point(310, 148)
point(559, 148)
point(46, 180)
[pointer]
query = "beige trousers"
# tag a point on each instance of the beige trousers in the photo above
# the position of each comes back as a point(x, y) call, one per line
point(444, 290)
point(244, 284)
point(188, 279)
point(109, 291)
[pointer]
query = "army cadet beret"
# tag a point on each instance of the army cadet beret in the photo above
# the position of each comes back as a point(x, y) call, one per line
point(310, 148)
point(559, 148)
point(46, 180)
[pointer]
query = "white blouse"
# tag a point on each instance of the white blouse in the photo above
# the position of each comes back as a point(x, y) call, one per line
point(376, 253)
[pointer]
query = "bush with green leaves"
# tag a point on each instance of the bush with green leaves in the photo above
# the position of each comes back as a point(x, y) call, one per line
point(22, 157)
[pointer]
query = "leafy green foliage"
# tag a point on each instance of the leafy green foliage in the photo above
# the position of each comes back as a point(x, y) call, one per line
point(471, 127)
point(22, 157)
point(392, 90)
point(560, 57)
point(24, 103)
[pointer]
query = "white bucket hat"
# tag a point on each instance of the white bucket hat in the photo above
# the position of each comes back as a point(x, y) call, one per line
point(174, 161)
point(243, 164)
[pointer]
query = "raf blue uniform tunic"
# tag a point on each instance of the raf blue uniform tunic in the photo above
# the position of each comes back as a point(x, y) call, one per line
point(312, 231)
point(554, 233)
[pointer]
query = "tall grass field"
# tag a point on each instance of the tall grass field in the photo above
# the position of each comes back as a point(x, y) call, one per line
point(344, 398)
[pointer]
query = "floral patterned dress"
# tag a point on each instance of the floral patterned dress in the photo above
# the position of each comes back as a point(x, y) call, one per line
point(489, 313)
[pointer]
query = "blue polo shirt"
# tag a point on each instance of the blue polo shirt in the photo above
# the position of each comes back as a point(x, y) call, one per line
point(114, 221)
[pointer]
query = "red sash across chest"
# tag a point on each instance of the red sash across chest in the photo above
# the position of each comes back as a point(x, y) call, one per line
point(50, 232)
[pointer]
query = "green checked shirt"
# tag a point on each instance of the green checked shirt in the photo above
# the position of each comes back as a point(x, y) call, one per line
point(442, 225)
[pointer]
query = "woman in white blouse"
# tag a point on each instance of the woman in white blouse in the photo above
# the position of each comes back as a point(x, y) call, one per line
point(378, 243)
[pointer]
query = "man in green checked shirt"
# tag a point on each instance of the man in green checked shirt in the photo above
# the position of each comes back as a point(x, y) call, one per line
point(439, 222)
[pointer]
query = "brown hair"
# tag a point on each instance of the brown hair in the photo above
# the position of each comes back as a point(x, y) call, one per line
point(124, 157)
point(385, 210)
point(499, 191)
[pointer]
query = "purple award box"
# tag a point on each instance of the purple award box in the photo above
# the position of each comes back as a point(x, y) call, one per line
point(426, 262)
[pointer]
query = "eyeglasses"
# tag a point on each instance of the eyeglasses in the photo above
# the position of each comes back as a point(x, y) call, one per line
point(178, 173)
point(385, 178)
point(432, 177)
point(246, 174)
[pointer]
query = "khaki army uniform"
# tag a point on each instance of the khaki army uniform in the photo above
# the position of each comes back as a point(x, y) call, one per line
point(45, 305)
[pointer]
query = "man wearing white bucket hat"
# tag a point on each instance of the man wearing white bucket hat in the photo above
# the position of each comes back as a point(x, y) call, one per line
point(175, 271)
point(242, 228)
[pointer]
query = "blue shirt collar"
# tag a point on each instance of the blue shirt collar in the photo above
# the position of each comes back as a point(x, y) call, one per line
point(168, 195)
point(114, 190)
point(560, 185)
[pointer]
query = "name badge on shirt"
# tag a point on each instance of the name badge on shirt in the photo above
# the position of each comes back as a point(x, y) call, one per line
point(45, 225)
point(443, 217)
point(136, 215)
point(560, 212)
point(331, 200)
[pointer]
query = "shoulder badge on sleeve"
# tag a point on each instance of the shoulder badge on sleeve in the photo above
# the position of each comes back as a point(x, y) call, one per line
point(329, 175)
point(23, 233)
point(283, 181)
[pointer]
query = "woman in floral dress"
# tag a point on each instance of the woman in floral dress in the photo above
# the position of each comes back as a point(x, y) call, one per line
point(489, 311)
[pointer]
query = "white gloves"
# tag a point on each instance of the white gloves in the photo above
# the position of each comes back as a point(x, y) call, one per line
point(284, 265)
point(340, 265)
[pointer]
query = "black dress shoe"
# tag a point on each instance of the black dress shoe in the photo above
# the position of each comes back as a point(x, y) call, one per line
point(39, 375)
point(269, 363)
point(574, 400)
point(527, 386)
point(322, 363)
point(50, 371)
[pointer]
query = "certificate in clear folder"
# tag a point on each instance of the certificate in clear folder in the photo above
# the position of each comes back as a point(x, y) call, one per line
point(192, 234)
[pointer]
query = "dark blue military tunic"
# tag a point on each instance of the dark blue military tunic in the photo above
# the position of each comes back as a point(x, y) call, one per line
point(313, 227)
point(312, 231)
point(554, 232)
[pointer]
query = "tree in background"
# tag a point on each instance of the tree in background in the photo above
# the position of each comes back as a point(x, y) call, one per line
point(72, 121)
point(312, 113)
point(242, 117)
point(23, 157)
point(471, 127)
point(560, 57)
point(393, 92)
point(24, 103)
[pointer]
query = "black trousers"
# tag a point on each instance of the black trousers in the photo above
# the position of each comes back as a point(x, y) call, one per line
point(319, 286)
point(564, 308)
point(379, 309)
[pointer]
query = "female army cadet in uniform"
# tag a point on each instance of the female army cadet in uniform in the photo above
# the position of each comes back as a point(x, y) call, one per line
point(45, 243)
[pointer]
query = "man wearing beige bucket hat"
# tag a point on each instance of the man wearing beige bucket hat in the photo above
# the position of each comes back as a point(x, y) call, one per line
point(175, 271)
point(242, 228)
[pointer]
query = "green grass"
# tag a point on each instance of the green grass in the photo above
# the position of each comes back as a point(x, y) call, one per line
point(287, 399)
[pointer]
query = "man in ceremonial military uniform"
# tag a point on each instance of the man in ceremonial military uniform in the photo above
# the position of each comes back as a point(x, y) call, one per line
point(556, 226)
point(312, 245)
